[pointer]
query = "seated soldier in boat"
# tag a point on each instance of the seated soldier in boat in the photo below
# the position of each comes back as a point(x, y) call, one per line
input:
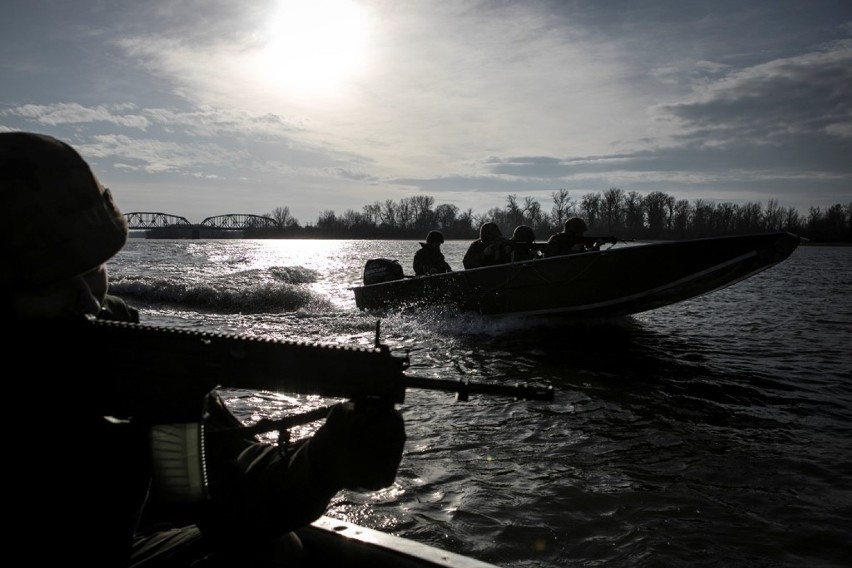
point(429, 259)
point(523, 244)
point(491, 248)
point(571, 239)
point(97, 503)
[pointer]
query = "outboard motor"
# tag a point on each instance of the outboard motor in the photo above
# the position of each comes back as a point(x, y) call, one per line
point(378, 270)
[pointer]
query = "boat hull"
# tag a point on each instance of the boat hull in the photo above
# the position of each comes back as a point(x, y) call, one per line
point(614, 282)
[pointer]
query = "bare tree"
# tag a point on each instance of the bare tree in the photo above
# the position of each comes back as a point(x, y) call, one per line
point(374, 213)
point(327, 220)
point(814, 215)
point(445, 216)
point(725, 216)
point(389, 213)
point(751, 217)
point(590, 207)
point(634, 212)
point(563, 208)
point(792, 220)
point(282, 217)
point(531, 212)
point(467, 221)
point(835, 220)
point(659, 207)
point(405, 214)
point(681, 216)
point(514, 213)
point(422, 215)
point(772, 216)
point(612, 208)
point(352, 219)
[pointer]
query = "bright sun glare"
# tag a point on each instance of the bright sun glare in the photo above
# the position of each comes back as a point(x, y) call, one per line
point(314, 45)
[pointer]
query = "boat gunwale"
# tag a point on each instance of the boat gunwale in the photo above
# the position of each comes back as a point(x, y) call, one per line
point(759, 244)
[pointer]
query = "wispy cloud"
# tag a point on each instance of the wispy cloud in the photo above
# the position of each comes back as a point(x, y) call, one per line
point(73, 113)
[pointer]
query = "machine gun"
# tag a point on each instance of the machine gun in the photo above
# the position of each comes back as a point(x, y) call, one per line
point(593, 243)
point(162, 376)
point(172, 369)
point(602, 240)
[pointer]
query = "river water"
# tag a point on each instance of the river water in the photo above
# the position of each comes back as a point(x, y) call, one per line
point(716, 432)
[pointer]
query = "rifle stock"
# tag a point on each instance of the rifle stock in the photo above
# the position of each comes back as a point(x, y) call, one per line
point(179, 367)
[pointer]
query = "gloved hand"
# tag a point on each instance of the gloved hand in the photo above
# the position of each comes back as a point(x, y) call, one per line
point(358, 449)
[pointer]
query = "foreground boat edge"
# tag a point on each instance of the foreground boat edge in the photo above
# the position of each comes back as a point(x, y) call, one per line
point(332, 542)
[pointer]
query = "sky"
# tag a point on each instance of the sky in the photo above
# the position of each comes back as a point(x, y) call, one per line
point(200, 108)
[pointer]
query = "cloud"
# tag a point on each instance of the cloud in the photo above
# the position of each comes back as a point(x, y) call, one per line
point(73, 113)
point(209, 122)
point(158, 156)
point(772, 103)
point(787, 118)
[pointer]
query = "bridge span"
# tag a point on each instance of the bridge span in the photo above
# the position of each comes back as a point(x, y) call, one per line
point(139, 220)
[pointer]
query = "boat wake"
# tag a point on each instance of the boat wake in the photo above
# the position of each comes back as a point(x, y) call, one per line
point(273, 290)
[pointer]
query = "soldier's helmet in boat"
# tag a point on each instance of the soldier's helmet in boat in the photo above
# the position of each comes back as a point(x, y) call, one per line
point(575, 226)
point(434, 237)
point(59, 221)
point(523, 234)
point(489, 232)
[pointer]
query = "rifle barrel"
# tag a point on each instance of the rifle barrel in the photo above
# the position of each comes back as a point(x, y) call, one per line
point(464, 388)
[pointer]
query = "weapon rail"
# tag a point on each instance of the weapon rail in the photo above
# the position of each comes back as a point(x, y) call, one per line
point(172, 370)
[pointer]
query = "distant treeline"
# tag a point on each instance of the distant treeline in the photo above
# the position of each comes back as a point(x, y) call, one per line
point(627, 215)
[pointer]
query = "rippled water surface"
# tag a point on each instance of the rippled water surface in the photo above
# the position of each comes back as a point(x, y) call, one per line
point(717, 432)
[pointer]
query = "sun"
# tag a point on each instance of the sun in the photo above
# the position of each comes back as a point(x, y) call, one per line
point(312, 46)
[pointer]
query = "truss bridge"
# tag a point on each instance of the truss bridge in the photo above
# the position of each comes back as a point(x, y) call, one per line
point(165, 225)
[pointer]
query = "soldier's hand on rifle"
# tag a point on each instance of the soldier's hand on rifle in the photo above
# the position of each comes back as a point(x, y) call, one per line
point(358, 448)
